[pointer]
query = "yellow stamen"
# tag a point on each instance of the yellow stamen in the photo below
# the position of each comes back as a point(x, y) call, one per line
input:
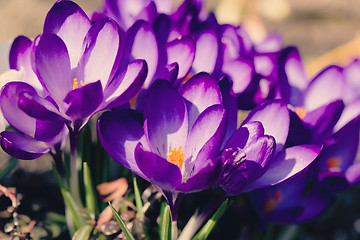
point(301, 112)
point(333, 163)
point(272, 202)
point(76, 84)
point(187, 77)
point(176, 157)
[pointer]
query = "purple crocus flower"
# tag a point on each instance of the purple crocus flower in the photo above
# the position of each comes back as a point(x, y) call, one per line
point(291, 201)
point(74, 74)
point(250, 159)
point(176, 148)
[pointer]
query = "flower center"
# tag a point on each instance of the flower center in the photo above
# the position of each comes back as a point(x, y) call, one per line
point(272, 202)
point(333, 163)
point(76, 84)
point(176, 157)
point(301, 112)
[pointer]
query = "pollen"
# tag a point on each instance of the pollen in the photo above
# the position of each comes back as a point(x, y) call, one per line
point(76, 84)
point(333, 163)
point(176, 157)
point(272, 202)
point(301, 112)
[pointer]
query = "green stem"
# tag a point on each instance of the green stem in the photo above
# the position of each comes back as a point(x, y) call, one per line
point(138, 200)
point(74, 168)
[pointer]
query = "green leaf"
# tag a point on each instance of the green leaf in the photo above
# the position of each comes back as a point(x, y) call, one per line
point(122, 224)
point(165, 233)
point(8, 168)
point(138, 200)
point(83, 232)
point(208, 227)
point(90, 198)
point(69, 201)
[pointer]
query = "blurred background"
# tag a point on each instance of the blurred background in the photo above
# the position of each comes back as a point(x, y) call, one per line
point(325, 31)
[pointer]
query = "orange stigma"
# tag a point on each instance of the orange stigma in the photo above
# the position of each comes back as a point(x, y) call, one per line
point(176, 157)
point(272, 202)
point(333, 163)
point(76, 84)
point(301, 112)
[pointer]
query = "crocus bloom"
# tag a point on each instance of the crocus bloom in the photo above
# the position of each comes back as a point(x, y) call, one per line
point(250, 159)
point(291, 201)
point(176, 148)
point(75, 65)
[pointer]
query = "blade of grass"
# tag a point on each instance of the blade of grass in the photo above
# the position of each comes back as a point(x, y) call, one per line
point(165, 233)
point(122, 224)
point(90, 198)
point(210, 224)
point(138, 200)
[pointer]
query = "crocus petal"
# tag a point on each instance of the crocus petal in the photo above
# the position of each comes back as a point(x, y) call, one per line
point(341, 148)
point(326, 87)
point(157, 170)
point(166, 125)
point(52, 66)
point(22, 146)
point(292, 76)
point(285, 165)
point(67, 20)
point(201, 91)
point(204, 178)
point(119, 134)
point(313, 205)
point(350, 112)
point(353, 174)
point(323, 119)
point(258, 155)
point(38, 107)
point(206, 136)
point(240, 72)
point(126, 86)
point(275, 118)
point(272, 43)
point(181, 51)
point(10, 109)
point(205, 60)
point(83, 101)
point(141, 43)
point(245, 135)
point(101, 51)
point(19, 56)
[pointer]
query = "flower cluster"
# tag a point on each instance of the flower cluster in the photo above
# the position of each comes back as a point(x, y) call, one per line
point(171, 81)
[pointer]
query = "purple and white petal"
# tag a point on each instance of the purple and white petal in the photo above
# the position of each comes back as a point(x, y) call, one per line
point(52, 66)
point(125, 86)
point(205, 137)
point(119, 134)
point(82, 102)
point(206, 52)
point(327, 86)
point(181, 51)
point(240, 72)
point(166, 118)
point(101, 52)
point(9, 106)
point(157, 170)
point(201, 91)
point(275, 118)
point(19, 56)
point(67, 20)
point(286, 164)
point(22, 146)
point(141, 43)
point(245, 135)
